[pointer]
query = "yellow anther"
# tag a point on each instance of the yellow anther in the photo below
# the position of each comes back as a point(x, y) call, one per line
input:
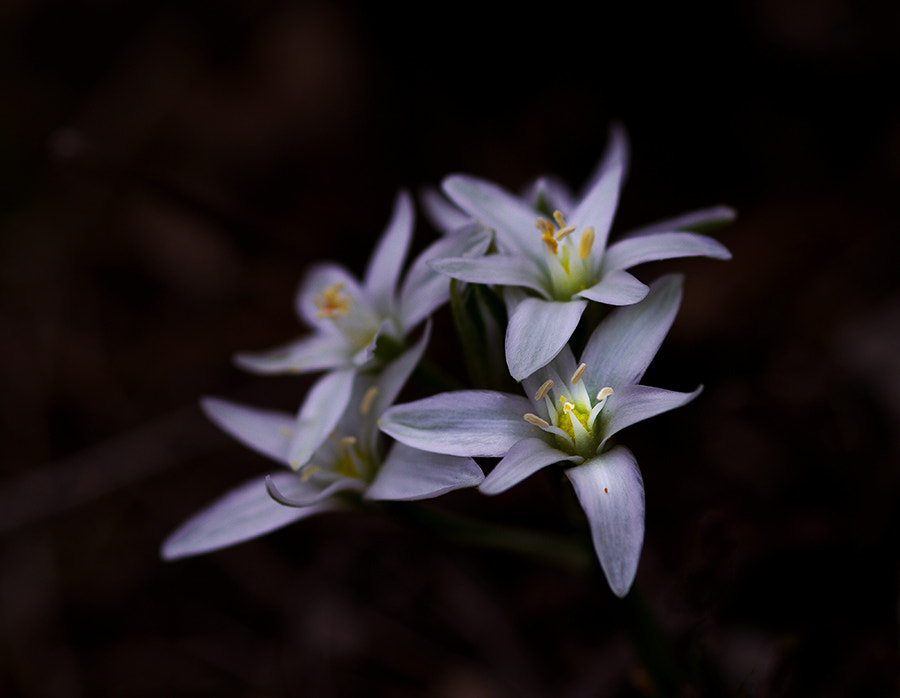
point(309, 471)
point(558, 217)
point(605, 393)
point(537, 421)
point(550, 242)
point(539, 395)
point(566, 405)
point(564, 232)
point(367, 400)
point(331, 302)
point(586, 242)
point(544, 226)
point(578, 373)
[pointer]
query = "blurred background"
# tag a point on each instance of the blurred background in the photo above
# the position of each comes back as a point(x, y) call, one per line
point(169, 169)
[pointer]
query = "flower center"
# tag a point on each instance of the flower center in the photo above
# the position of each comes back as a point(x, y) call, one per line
point(332, 303)
point(570, 264)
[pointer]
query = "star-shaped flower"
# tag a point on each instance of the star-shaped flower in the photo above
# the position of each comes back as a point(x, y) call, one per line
point(349, 460)
point(552, 266)
point(569, 416)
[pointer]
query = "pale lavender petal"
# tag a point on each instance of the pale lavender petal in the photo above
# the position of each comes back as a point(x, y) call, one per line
point(244, 513)
point(387, 260)
point(409, 474)
point(424, 289)
point(323, 276)
point(298, 493)
point(266, 431)
point(322, 409)
point(616, 152)
point(461, 423)
point(496, 269)
point(443, 214)
point(550, 194)
point(537, 332)
point(314, 352)
point(616, 288)
point(624, 344)
point(511, 217)
point(524, 459)
point(648, 248)
point(611, 492)
point(635, 403)
point(695, 221)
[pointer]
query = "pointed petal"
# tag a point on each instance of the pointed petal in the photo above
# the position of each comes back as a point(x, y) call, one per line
point(424, 289)
point(695, 221)
point(323, 276)
point(635, 403)
point(495, 269)
point(314, 352)
point(524, 459)
point(409, 474)
point(265, 431)
point(537, 332)
point(460, 423)
point(648, 248)
point(322, 409)
point(624, 344)
point(616, 288)
point(616, 152)
point(387, 260)
point(442, 214)
point(244, 513)
point(550, 194)
point(297, 493)
point(512, 218)
point(611, 492)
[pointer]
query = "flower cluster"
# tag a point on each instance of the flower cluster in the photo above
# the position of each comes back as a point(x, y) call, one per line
point(532, 274)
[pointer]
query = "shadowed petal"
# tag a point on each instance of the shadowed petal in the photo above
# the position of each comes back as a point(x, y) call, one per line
point(409, 473)
point(460, 423)
point(648, 248)
point(537, 332)
point(298, 493)
point(611, 492)
point(616, 288)
point(266, 431)
point(635, 403)
point(244, 513)
point(387, 260)
point(695, 221)
point(312, 353)
point(524, 459)
point(322, 409)
point(442, 214)
point(495, 269)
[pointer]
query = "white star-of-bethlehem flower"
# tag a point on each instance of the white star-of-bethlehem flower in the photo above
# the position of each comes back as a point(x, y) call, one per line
point(551, 266)
point(350, 460)
point(568, 417)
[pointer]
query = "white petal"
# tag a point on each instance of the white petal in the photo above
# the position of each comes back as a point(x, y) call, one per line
point(624, 344)
point(695, 221)
point(611, 492)
point(648, 248)
point(537, 332)
point(461, 423)
point(424, 289)
point(322, 409)
point(524, 459)
point(387, 260)
point(512, 218)
point(496, 269)
point(550, 194)
point(616, 152)
point(443, 215)
point(244, 513)
point(297, 493)
point(266, 431)
point(314, 352)
point(635, 403)
point(409, 473)
point(616, 288)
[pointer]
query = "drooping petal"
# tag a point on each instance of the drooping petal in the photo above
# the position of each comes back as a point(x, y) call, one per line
point(266, 431)
point(648, 248)
point(424, 289)
point(387, 260)
point(460, 423)
point(323, 407)
point(695, 221)
point(624, 344)
point(314, 352)
point(244, 513)
point(409, 474)
point(496, 269)
point(444, 215)
point(524, 459)
point(511, 217)
point(298, 493)
point(537, 332)
point(319, 278)
point(611, 492)
point(635, 403)
point(616, 288)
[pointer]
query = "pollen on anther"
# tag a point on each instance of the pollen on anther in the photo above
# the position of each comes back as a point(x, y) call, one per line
point(579, 372)
point(586, 243)
point(331, 302)
point(605, 393)
point(548, 240)
point(537, 421)
point(564, 232)
point(367, 400)
point(539, 395)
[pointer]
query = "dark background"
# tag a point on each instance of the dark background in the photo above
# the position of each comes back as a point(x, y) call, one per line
point(169, 169)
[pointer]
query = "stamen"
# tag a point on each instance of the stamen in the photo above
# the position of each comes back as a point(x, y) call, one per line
point(367, 400)
point(605, 393)
point(566, 405)
point(347, 441)
point(578, 373)
point(309, 471)
point(550, 242)
point(537, 421)
point(331, 302)
point(539, 395)
point(586, 242)
point(564, 232)
point(558, 217)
